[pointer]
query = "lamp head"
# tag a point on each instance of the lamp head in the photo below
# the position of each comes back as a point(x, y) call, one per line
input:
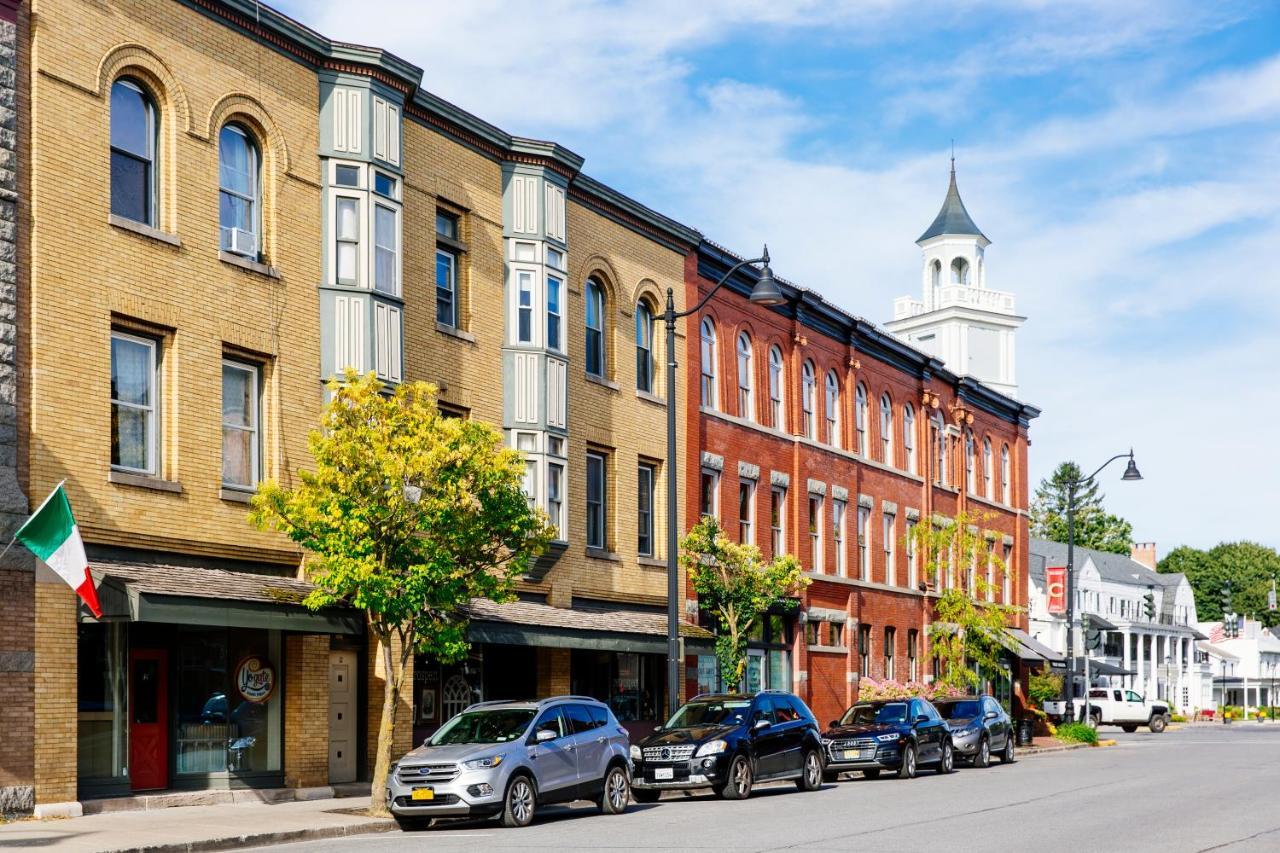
point(1131, 470)
point(766, 290)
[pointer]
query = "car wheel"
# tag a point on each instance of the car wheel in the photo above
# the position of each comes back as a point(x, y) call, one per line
point(645, 796)
point(1157, 724)
point(907, 770)
point(1095, 719)
point(947, 762)
point(738, 786)
point(412, 824)
point(1006, 757)
point(811, 772)
point(982, 758)
point(617, 791)
point(520, 803)
point(874, 773)
point(1129, 729)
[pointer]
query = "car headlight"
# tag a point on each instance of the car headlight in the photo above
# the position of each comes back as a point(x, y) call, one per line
point(886, 738)
point(711, 747)
point(483, 763)
point(636, 754)
point(826, 741)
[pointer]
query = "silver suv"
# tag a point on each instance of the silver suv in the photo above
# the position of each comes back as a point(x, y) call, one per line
point(509, 758)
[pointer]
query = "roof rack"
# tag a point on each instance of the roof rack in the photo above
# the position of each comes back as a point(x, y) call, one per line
point(568, 697)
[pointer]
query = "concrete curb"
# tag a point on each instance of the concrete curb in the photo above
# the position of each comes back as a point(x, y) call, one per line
point(261, 839)
point(1044, 750)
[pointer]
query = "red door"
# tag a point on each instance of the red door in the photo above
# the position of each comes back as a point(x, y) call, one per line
point(148, 719)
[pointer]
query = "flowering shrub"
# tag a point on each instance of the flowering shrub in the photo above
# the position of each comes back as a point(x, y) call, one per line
point(869, 690)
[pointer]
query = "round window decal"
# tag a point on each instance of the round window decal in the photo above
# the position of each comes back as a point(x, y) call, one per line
point(255, 679)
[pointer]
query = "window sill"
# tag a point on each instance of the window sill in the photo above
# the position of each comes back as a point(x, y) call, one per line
point(600, 380)
point(249, 265)
point(144, 481)
point(601, 554)
point(830, 650)
point(143, 230)
point(455, 333)
point(652, 561)
point(235, 495)
point(649, 397)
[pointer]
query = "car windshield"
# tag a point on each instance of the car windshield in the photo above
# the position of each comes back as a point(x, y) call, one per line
point(724, 712)
point(497, 726)
point(893, 712)
point(956, 710)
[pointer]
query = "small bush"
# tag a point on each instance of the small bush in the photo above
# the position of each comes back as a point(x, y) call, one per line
point(1043, 686)
point(1177, 718)
point(1077, 733)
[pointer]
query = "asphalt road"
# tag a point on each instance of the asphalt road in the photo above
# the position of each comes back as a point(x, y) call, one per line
point(1197, 789)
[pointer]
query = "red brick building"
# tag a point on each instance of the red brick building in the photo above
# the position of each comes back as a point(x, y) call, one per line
point(816, 433)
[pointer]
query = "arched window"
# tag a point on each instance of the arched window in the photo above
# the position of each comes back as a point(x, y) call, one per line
point(940, 455)
point(860, 417)
point(134, 138)
point(807, 389)
point(986, 468)
point(595, 328)
point(644, 347)
point(239, 183)
point(959, 271)
point(909, 437)
point(745, 407)
point(970, 477)
point(833, 409)
point(886, 429)
point(708, 363)
point(1004, 476)
point(935, 273)
point(776, 408)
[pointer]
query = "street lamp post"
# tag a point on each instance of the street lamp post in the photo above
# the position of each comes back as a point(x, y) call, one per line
point(764, 292)
point(1130, 473)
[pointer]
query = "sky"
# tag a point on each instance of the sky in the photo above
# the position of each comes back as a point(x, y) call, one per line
point(1123, 157)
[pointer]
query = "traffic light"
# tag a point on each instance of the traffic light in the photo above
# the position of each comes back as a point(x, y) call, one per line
point(1231, 625)
point(1149, 605)
point(1226, 598)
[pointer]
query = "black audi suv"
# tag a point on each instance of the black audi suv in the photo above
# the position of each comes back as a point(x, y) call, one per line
point(727, 742)
point(901, 735)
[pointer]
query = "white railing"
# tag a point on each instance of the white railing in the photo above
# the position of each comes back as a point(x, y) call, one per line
point(997, 301)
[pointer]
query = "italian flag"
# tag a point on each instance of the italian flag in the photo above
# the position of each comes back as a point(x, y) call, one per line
point(51, 534)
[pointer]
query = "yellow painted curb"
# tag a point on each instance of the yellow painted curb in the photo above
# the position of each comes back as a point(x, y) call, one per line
point(1108, 742)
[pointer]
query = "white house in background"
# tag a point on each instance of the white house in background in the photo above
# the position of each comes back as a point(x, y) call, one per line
point(958, 319)
point(1247, 667)
point(1155, 656)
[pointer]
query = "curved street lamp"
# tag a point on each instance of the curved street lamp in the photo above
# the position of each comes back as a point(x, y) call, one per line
point(765, 292)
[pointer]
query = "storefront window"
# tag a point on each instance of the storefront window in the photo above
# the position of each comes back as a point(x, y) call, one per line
point(102, 738)
point(630, 684)
point(228, 701)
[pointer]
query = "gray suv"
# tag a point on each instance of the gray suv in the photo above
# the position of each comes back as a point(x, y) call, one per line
point(509, 758)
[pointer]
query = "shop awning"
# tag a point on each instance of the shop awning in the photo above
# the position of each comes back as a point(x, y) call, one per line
point(529, 622)
point(1101, 667)
point(1031, 649)
point(1097, 623)
point(152, 592)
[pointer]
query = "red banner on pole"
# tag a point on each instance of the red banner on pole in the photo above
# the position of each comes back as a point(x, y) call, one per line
point(1056, 585)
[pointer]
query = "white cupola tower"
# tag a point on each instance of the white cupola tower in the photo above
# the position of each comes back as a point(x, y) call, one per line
point(959, 320)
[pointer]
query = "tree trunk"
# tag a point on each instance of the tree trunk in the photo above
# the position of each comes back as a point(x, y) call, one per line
point(386, 729)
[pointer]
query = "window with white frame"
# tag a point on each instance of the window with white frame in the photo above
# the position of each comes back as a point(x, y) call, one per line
point(890, 640)
point(526, 287)
point(970, 450)
point(746, 409)
point(913, 654)
point(239, 187)
point(991, 574)
point(807, 391)
point(555, 290)
point(134, 403)
point(241, 408)
point(709, 493)
point(778, 520)
point(864, 542)
point(1007, 592)
point(886, 429)
point(386, 234)
point(838, 535)
point(348, 225)
point(909, 437)
point(860, 418)
point(832, 409)
point(134, 143)
point(913, 568)
point(940, 455)
point(971, 580)
point(555, 497)
point(864, 650)
point(889, 544)
point(986, 468)
point(644, 347)
point(708, 363)
point(645, 476)
point(595, 320)
point(817, 558)
point(746, 511)
point(597, 501)
point(527, 443)
point(1005, 496)
point(777, 418)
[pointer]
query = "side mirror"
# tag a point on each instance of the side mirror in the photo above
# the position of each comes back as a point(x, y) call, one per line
point(544, 735)
point(833, 724)
point(761, 724)
point(658, 727)
point(991, 715)
point(922, 718)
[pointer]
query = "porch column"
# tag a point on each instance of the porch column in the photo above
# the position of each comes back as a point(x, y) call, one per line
point(1153, 675)
point(306, 710)
point(1128, 679)
point(1137, 662)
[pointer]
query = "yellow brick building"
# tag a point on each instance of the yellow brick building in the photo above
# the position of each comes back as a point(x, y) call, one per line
point(218, 209)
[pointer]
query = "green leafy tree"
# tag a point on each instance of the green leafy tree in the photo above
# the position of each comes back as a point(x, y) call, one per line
point(1250, 567)
point(407, 516)
point(1095, 527)
point(735, 585)
point(970, 632)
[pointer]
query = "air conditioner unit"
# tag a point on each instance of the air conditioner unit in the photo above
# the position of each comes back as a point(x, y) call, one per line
point(240, 242)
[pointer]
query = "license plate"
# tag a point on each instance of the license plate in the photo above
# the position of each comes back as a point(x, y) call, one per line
point(663, 773)
point(856, 754)
point(423, 794)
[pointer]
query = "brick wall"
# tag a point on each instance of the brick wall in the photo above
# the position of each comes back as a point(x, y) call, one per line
point(55, 690)
point(553, 671)
point(306, 710)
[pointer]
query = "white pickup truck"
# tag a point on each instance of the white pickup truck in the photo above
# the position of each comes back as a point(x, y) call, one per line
point(1115, 706)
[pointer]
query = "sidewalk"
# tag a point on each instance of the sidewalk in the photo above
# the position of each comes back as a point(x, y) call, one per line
point(194, 828)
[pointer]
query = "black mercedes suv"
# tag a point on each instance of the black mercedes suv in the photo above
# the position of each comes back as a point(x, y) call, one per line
point(727, 742)
point(889, 734)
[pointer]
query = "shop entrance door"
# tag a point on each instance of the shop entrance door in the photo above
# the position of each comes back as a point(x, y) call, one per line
point(342, 717)
point(148, 719)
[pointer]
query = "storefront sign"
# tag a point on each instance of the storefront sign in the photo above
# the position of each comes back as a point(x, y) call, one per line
point(255, 679)
point(1056, 585)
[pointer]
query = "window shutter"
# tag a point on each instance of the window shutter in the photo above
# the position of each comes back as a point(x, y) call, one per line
point(524, 205)
point(380, 129)
point(388, 344)
point(526, 397)
point(348, 346)
point(555, 212)
point(556, 376)
point(393, 135)
point(346, 120)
